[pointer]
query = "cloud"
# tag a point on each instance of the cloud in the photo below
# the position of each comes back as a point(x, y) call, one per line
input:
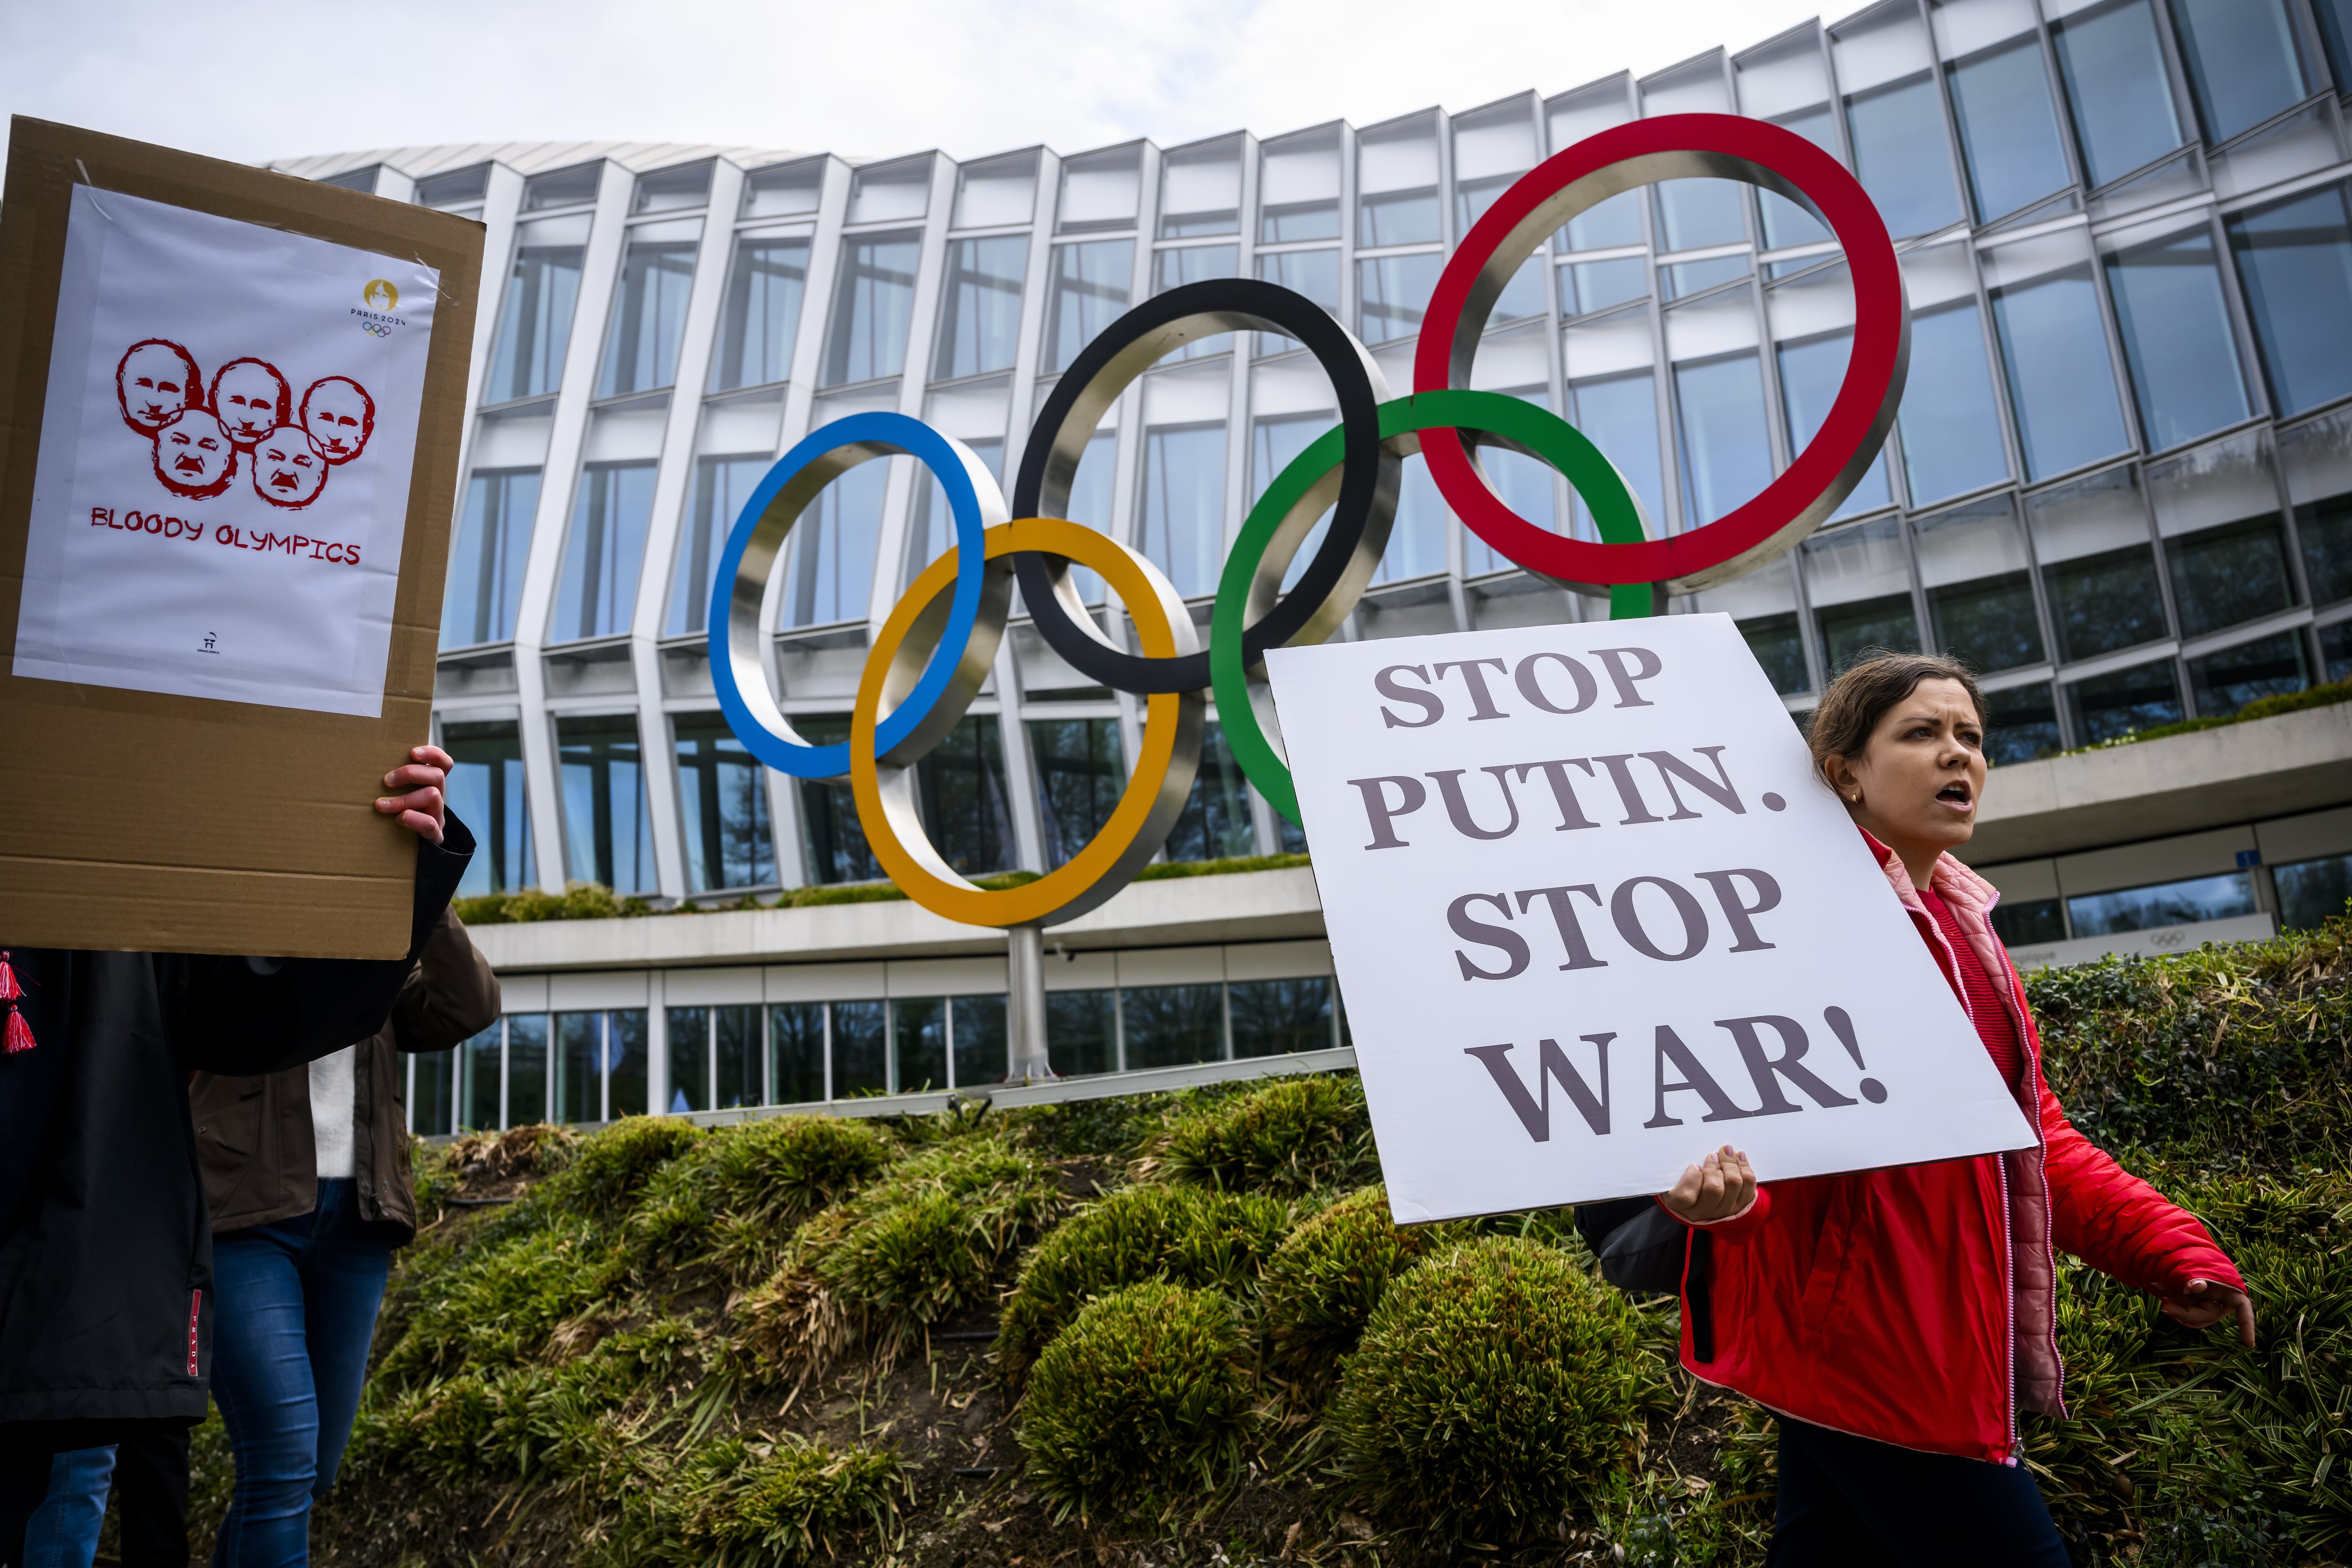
point(889, 77)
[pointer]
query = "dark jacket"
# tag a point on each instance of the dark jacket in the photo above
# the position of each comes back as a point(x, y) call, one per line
point(105, 1249)
point(254, 1137)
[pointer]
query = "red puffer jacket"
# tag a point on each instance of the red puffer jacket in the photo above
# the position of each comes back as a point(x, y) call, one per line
point(1916, 1305)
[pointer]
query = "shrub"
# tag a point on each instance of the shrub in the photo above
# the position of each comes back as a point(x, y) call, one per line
point(748, 1500)
point(926, 1240)
point(1323, 1282)
point(611, 1168)
point(1494, 1382)
point(738, 1195)
point(499, 1304)
point(1295, 1135)
point(1144, 1391)
point(1187, 1235)
point(538, 1150)
point(433, 1177)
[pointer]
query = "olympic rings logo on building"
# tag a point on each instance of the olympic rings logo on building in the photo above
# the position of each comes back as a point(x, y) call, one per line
point(936, 648)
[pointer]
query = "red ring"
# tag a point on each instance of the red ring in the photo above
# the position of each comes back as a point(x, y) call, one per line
point(1676, 146)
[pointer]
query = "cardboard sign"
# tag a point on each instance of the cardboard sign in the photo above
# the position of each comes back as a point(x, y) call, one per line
point(1594, 917)
point(230, 409)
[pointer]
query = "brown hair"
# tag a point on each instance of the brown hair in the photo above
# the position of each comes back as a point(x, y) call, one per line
point(1857, 700)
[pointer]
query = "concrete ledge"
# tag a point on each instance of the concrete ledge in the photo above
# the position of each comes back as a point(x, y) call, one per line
point(2236, 773)
point(1247, 906)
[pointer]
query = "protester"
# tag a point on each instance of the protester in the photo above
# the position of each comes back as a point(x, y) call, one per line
point(107, 1307)
point(308, 1176)
point(1898, 1321)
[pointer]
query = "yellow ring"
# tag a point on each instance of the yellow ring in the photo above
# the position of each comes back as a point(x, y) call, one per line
point(1156, 791)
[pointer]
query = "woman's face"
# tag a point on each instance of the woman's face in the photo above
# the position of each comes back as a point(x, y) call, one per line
point(1920, 779)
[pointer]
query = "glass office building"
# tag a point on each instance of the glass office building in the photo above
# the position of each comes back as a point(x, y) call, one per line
point(2120, 485)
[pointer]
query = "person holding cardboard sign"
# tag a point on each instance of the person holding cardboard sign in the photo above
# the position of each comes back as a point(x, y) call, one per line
point(106, 1267)
point(1899, 1320)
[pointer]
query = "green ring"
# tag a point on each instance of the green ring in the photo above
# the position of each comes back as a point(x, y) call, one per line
point(1522, 425)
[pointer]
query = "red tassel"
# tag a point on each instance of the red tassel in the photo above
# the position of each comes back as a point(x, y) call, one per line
point(9, 990)
point(20, 1034)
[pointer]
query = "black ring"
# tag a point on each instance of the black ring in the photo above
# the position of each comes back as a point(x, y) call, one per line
point(1126, 349)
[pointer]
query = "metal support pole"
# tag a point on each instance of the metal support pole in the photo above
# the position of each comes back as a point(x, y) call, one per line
point(1024, 1006)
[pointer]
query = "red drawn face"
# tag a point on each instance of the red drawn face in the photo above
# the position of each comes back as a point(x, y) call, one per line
point(194, 455)
point(155, 381)
point(250, 399)
point(340, 415)
point(288, 468)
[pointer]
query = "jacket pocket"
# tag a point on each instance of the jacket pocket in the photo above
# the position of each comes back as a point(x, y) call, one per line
point(1830, 1251)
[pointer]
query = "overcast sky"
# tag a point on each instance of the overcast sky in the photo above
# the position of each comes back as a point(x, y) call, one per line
point(256, 79)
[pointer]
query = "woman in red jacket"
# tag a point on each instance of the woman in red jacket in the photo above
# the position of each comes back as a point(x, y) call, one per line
point(1899, 1320)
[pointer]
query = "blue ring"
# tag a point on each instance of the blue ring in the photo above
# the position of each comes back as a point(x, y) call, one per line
point(883, 433)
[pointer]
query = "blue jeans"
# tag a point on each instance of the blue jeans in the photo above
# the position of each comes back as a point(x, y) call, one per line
point(1849, 1502)
point(298, 1305)
point(64, 1531)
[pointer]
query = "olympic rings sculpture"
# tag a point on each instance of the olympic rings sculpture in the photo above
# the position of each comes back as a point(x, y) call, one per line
point(935, 649)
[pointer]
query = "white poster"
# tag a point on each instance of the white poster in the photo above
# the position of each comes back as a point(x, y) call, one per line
point(1594, 918)
point(224, 460)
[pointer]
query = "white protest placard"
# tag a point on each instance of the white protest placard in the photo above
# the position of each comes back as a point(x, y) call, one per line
point(224, 460)
point(1593, 917)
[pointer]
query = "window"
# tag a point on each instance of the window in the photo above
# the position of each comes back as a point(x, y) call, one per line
point(2313, 892)
point(432, 1097)
point(1396, 184)
point(1182, 527)
point(648, 316)
point(1972, 561)
point(976, 1030)
point(1417, 540)
point(1569, 119)
point(997, 191)
point(596, 594)
point(722, 486)
point(1088, 292)
point(458, 188)
point(1786, 223)
point(2166, 904)
point(2021, 724)
point(784, 190)
point(1174, 268)
point(918, 1035)
point(715, 1058)
point(2335, 651)
point(796, 1053)
point(2117, 91)
point(1692, 214)
point(1277, 1017)
point(980, 319)
point(764, 289)
point(1492, 148)
point(2097, 571)
point(480, 1071)
point(1080, 776)
point(485, 586)
point(562, 187)
point(861, 1047)
point(2326, 531)
point(1101, 190)
point(2294, 262)
point(1860, 584)
point(2226, 682)
point(895, 192)
point(1901, 156)
point(1763, 605)
point(607, 832)
point(961, 790)
point(1392, 294)
point(1605, 225)
point(723, 796)
point(689, 1029)
point(2227, 575)
point(832, 837)
point(672, 190)
point(1524, 484)
point(2123, 703)
point(2009, 129)
point(1588, 286)
point(1172, 1025)
point(931, 533)
point(526, 1097)
point(1811, 373)
point(2028, 922)
point(1314, 273)
point(600, 1065)
point(833, 544)
point(2060, 380)
point(873, 302)
point(1619, 413)
point(1726, 453)
point(2177, 337)
point(1201, 190)
point(1082, 1032)
point(485, 791)
point(1523, 296)
point(2335, 18)
point(1216, 822)
point(1298, 187)
point(2242, 62)
point(535, 317)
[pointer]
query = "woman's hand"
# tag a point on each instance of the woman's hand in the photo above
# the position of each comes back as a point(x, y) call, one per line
point(419, 805)
point(2207, 1303)
point(1720, 1186)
